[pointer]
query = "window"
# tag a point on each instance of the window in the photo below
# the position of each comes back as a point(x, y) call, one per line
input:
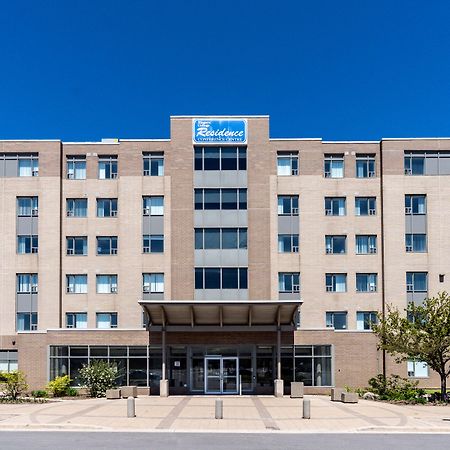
point(365, 320)
point(27, 244)
point(76, 207)
point(76, 167)
point(288, 282)
point(365, 206)
point(153, 283)
point(8, 359)
point(153, 164)
point(334, 166)
point(335, 206)
point(414, 163)
point(221, 278)
point(417, 369)
point(288, 243)
point(366, 244)
point(416, 282)
point(153, 206)
point(76, 284)
point(76, 320)
point(416, 242)
point(27, 283)
point(106, 207)
point(336, 320)
point(366, 282)
point(107, 167)
point(312, 365)
point(227, 199)
point(28, 165)
point(153, 243)
point(335, 244)
point(106, 245)
point(27, 321)
point(76, 245)
point(106, 320)
point(428, 162)
point(288, 205)
point(287, 163)
point(106, 284)
point(415, 204)
point(336, 282)
point(27, 207)
point(220, 238)
point(220, 158)
point(365, 166)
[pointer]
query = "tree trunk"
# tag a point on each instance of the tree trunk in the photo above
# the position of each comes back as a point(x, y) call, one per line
point(444, 387)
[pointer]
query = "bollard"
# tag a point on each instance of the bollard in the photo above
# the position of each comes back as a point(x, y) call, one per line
point(219, 408)
point(307, 409)
point(131, 410)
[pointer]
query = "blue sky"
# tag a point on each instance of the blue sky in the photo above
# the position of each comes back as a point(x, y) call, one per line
point(344, 70)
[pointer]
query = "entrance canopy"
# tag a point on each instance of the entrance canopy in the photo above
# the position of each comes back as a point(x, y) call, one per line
point(207, 314)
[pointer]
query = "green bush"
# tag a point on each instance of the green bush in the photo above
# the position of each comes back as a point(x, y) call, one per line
point(71, 392)
point(13, 384)
point(39, 394)
point(98, 376)
point(58, 387)
point(397, 388)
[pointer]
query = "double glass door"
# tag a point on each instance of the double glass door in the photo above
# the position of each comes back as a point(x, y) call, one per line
point(221, 375)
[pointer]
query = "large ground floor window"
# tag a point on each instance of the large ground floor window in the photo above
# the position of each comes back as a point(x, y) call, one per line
point(8, 360)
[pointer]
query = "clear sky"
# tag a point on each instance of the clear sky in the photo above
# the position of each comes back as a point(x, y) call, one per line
point(340, 70)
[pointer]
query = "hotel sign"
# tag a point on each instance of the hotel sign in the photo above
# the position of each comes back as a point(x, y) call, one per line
point(212, 131)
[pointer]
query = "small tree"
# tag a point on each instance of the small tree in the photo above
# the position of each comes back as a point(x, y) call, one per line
point(423, 334)
point(98, 376)
point(13, 384)
point(59, 386)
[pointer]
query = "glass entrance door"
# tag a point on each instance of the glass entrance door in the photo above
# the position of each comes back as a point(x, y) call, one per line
point(221, 375)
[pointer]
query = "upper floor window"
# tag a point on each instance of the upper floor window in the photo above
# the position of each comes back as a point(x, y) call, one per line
point(220, 158)
point(106, 207)
point(365, 206)
point(27, 244)
point(76, 284)
point(106, 284)
point(417, 369)
point(220, 278)
point(416, 242)
point(335, 206)
point(335, 244)
point(76, 207)
point(334, 165)
point(288, 205)
point(415, 204)
point(288, 282)
point(106, 320)
point(106, 245)
point(365, 320)
point(76, 167)
point(336, 282)
point(220, 199)
point(365, 166)
point(153, 283)
point(76, 320)
point(153, 164)
point(414, 163)
point(27, 283)
point(366, 244)
point(416, 282)
point(76, 245)
point(19, 165)
point(287, 163)
point(27, 321)
point(28, 165)
point(153, 206)
point(153, 243)
point(427, 162)
point(336, 320)
point(366, 282)
point(107, 167)
point(27, 207)
point(288, 243)
point(220, 238)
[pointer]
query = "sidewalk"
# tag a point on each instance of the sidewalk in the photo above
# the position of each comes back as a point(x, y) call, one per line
point(241, 414)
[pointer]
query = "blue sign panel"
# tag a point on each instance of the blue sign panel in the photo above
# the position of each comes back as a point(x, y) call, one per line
point(213, 131)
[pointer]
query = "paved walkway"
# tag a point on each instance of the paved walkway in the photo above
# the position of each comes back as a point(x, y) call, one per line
point(241, 414)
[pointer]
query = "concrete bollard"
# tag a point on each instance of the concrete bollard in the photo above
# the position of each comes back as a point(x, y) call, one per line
point(307, 409)
point(131, 407)
point(219, 408)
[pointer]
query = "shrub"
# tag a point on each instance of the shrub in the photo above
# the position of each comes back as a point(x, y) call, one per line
point(39, 394)
point(71, 392)
point(58, 387)
point(13, 384)
point(397, 388)
point(98, 376)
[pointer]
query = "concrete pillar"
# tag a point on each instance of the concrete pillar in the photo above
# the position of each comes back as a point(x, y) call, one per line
point(278, 388)
point(164, 383)
point(279, 384)
point(164, 388)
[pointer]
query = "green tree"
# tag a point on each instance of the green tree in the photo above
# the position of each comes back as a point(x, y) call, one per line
point(98, 376)
point(422, 334)
point(13, 384)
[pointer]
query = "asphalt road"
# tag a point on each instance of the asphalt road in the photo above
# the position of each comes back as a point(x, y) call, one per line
point(69, 440)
